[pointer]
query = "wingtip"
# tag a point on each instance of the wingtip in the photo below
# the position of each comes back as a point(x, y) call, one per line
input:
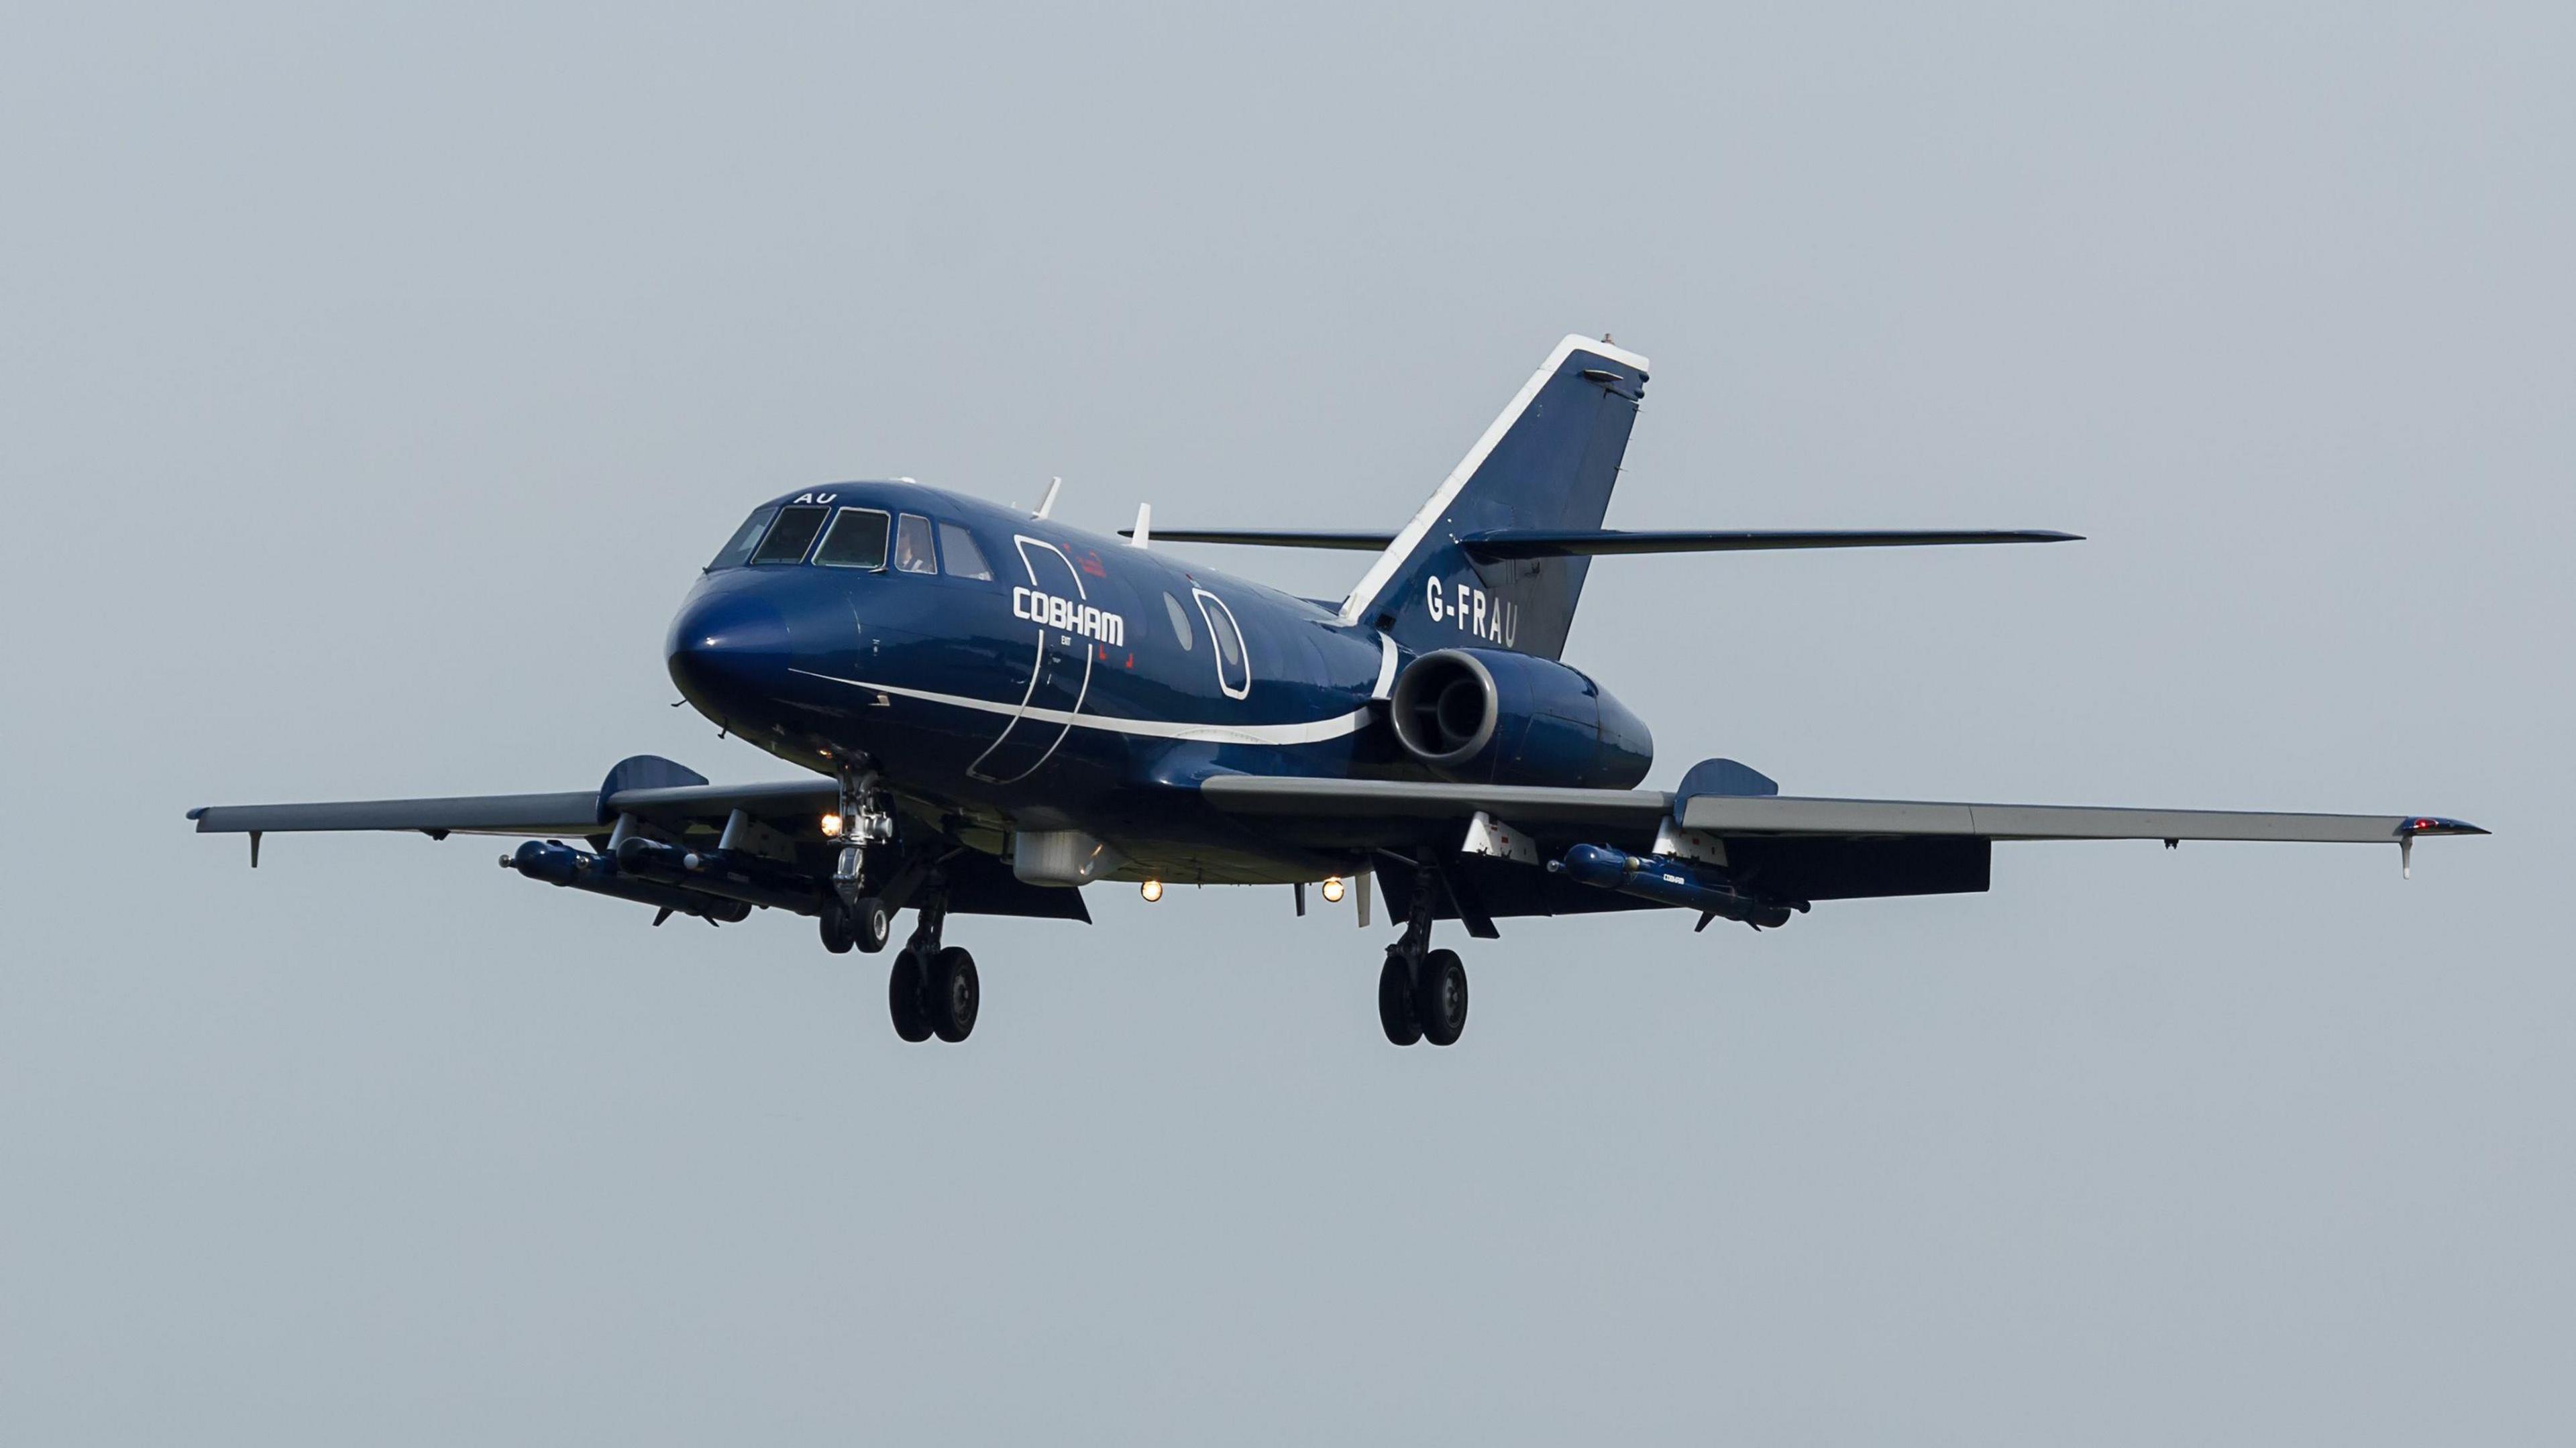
point(2420, 825)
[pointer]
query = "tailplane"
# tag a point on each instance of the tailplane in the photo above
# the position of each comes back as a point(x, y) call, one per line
point(1496, 559)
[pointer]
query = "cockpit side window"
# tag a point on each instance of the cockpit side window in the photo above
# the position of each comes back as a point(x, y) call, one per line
point(912, 548)
point(745, 538)
point(857, 540)
point(791, 535)
point(964, 559)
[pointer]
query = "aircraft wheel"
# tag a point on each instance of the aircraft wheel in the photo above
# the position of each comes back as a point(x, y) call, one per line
point(1395, 1001)
point(1440, 997)
point(903, 998)
point(870, 923)
point(952, 993)
point(836, 929)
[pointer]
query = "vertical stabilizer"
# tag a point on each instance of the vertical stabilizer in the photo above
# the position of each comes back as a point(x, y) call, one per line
point(1549, 463)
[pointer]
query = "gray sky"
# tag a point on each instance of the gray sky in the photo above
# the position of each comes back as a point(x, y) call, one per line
point(372, 387)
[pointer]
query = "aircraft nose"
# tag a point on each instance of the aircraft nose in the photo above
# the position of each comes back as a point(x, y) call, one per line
point(728, 648)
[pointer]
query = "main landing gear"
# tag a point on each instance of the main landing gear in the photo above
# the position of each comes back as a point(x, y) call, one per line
point(933, 990)
point(1421, 993)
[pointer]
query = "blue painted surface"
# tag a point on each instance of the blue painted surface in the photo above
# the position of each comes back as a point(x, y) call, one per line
point(950, 687)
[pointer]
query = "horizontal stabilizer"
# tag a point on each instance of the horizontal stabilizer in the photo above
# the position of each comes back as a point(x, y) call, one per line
point(1272, 537)
point(1609, 542)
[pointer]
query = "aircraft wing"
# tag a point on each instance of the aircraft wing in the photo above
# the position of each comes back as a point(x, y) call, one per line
point(1725, 843)
point(1789, 815)
point(659, 834)
point(672, 797)
point(1890, 818)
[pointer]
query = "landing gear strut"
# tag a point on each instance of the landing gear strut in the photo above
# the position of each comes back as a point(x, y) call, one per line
point(933, 990)
point(1421, 992)
point(855, 915)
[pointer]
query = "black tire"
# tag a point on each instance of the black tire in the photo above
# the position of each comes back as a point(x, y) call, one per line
point(951, 993)
point(1440, 997)
point(903, 998)
point(1395, 1001)
point(836, 929)
point(870, 923)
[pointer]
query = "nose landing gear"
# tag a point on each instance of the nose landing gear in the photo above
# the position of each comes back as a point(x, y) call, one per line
point(865, 924)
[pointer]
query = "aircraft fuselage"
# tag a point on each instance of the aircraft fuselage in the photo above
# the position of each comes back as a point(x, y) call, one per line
point(1044, 695)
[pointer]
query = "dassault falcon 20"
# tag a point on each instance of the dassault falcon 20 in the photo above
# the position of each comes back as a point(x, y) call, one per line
point(998, 710)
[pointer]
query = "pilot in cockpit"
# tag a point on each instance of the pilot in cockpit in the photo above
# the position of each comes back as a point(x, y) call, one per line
point(912, 547)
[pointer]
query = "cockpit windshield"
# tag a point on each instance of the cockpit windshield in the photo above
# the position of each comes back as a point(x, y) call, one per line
point(745, 538)
point(791, 535)
point(857, 540)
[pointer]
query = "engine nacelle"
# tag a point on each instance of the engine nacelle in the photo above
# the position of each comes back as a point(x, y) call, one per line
point(1484, 716)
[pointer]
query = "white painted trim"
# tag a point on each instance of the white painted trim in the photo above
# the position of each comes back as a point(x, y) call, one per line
point(1312, 732)
point(1020, 544)
point(1487, 835)
point(1414, 532)
point(1385, 669)
point(1216, 652)
point(1672, 839)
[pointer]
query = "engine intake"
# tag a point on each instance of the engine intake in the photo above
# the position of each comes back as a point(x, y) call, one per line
point(1485, 716)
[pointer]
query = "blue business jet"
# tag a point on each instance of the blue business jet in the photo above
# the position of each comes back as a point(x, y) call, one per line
point(997, 710)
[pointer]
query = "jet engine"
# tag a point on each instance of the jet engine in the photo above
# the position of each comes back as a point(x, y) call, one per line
point(1485, 716)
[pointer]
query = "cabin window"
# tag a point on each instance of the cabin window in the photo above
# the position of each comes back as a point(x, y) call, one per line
point(791, 535)
point(1180, 622)
point(1233, 670)
point(745, 538)
point(957, 549)
point(857, 540)
point(912, 549)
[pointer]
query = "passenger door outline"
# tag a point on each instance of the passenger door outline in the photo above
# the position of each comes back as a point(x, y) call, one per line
point(1025, 738)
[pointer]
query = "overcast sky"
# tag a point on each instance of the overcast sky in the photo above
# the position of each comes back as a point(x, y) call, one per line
point(371, 387)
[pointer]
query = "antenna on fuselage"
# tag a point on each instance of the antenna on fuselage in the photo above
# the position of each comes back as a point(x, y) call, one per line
point(1144, 529)
point(1047, 503)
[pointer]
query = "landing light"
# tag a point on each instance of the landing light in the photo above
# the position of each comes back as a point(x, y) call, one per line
point(1152, 892)
point(831, 826)
point(1333, 890)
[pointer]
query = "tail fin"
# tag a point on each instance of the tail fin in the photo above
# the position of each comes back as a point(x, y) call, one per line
point(1548, 464)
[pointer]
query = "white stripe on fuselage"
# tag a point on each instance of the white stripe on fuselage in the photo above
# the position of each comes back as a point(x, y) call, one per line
point(1314, 732)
